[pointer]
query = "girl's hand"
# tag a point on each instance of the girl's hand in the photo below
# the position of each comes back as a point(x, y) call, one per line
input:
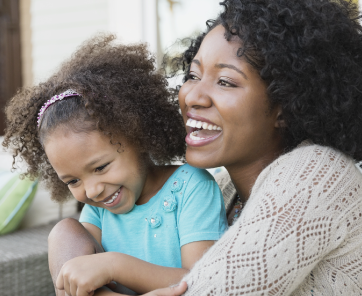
point(173, 291)
point(81, 276)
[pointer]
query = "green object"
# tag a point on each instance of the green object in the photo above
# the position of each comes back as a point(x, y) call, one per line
point(16, 196)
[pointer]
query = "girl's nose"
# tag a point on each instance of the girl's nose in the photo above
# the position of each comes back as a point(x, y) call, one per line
point(199, 95)
point(94, 190)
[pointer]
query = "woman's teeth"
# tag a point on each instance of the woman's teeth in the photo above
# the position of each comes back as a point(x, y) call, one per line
point(113, 197)
point(194, 136)
point(204, 125)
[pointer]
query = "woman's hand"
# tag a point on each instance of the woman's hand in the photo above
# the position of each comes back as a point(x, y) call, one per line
point(172, 291)
point(81, 276)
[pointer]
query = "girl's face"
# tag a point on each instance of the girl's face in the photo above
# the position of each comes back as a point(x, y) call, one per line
point(95, 172)
point(226, 97)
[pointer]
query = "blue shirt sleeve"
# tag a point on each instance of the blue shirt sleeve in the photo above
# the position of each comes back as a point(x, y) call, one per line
point(203, 215)
point(91, 215)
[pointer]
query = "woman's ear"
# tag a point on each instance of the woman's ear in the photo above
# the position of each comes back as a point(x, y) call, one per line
point(279, 122)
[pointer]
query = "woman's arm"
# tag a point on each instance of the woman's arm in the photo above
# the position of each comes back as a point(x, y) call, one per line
point(171, 291)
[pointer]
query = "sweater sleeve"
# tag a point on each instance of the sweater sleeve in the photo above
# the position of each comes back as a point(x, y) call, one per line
point(294, 218)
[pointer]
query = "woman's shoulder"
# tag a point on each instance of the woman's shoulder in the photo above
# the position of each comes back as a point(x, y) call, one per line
point(307, 150)
point(305, 158)
point(311, 160)
point(322, 175)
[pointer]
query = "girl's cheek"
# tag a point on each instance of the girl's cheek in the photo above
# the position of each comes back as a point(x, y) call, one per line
point(78, 196)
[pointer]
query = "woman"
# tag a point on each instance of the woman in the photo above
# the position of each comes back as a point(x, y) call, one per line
point(281, 81)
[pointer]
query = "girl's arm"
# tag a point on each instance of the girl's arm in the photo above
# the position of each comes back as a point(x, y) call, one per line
point(82, 275)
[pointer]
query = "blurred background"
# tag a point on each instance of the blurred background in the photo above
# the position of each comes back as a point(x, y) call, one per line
point(37, 35)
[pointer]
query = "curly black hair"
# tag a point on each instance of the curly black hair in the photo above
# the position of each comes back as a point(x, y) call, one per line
point(122, 96)
point(309, 52)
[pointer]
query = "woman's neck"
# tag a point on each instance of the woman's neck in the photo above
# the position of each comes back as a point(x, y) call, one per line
point(244, 176)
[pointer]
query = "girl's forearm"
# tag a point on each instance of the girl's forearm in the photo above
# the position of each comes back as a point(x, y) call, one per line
point(141, 276)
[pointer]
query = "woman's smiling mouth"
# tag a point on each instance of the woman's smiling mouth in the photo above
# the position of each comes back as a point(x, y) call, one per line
point(201, 133)
point(113, 199)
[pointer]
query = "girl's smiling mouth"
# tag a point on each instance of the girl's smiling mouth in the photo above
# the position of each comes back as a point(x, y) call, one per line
point(114, 199)
point(201, 133)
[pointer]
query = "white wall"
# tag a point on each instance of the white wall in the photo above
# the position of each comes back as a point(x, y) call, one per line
point(59, 27)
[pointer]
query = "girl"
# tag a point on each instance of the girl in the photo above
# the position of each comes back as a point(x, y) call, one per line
point(105, 129)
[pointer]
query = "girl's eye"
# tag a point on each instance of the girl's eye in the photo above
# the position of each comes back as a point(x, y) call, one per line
point(226, 83)
point(101, 168)
point(72, 182)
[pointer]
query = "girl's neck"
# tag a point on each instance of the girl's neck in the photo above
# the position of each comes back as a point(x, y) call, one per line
point(156, 177)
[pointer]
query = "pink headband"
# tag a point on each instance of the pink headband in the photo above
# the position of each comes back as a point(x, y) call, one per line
point(66, 94)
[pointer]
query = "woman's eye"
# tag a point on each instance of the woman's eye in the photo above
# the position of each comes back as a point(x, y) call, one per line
point(101, 168)
point(192, 77)
point(223, 82)
point(72, 182)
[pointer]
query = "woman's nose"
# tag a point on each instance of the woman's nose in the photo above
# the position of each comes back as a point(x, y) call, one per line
point(94, 190)
point(198, 95)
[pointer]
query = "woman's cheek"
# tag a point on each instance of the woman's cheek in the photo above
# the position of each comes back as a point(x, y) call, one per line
point(184, 90)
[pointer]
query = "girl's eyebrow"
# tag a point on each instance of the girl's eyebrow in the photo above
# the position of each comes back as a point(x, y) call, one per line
point(94, 161)
point(63, 177)
point(89, 164)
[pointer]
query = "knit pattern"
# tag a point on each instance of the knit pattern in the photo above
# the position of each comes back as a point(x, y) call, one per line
point(300, 232)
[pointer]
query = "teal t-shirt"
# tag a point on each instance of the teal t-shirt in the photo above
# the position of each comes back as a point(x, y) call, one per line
point(188, 208)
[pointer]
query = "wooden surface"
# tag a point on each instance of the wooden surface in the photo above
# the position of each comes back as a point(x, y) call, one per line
point(10, 55)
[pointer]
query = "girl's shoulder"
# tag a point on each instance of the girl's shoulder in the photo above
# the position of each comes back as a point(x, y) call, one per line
point(194, 174)
point(186, 177)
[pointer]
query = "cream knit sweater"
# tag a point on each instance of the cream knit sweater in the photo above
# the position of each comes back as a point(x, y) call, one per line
point(300, 232)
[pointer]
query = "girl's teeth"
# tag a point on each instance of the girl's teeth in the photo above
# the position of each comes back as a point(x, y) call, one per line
point(193, 123)
point(205, 125)
point(109, 202)
point(199, 124)
point(113, 198)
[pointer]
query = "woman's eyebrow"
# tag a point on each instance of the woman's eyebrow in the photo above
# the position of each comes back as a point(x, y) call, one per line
point(220, 66)
point(197, 62)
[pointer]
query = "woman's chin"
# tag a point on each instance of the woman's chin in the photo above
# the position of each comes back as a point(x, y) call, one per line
point(200, 160)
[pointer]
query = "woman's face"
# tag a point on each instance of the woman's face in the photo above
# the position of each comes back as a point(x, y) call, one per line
point(225, 107)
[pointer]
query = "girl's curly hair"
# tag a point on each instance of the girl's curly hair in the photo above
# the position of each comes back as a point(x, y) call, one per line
point(121, 95)
point(310, 54)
